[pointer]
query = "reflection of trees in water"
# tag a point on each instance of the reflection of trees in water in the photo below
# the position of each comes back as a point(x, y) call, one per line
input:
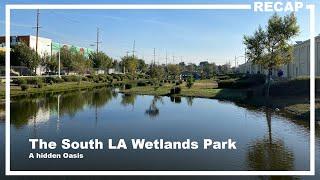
point(268, 153)
point(189, 101)
point(153, 110)
point(23, 109)
point(175, 99)
point(128, 99)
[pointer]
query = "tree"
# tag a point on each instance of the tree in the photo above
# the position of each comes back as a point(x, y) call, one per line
point(209, 69)
point(80, 64)
point(156, 71)
point(100, 60)
point(130, 63)
point(66, 58)
point(53, 64)
point(22, 55)
point(271, 47)
point(142, 66)
point(173, 70)
point(2, 58)
point(190, 81)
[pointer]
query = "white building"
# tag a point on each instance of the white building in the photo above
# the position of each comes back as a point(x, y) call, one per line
point(300, 66)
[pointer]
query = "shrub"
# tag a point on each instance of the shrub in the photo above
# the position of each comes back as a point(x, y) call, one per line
point(141, 83)
point(295, 87)
point(24, 87)
point(34, 80)
point(190, 81)
point(175, 90)
point(85, 78)
point(19, 81)
point(49, 79)
point(71, 78)
point(40, 85)
point(58, 80)
point(127, 86)
point(244, 82)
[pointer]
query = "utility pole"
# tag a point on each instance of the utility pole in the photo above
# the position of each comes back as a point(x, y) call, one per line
point(37, 30)
point(97, 42)
point(133, 48)
point(166, 58)
point(127, 53)
point(173, 59)
point(154, 56)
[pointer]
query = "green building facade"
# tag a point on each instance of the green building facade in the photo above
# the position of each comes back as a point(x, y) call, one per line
point(56, 46)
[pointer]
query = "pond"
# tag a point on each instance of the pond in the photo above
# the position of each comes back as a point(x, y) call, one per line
point(264, 139)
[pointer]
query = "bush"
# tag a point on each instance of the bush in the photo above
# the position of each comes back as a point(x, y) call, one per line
point(40, 85)
point(244, 82)
point(58, 80)
point(24, 87)
point(141, 83)
point(295, 87)
point(19, 81)
point(127, 86)
point(71, 78)
point(35, 80)
point(175, 90)
point(190, 81)
point(49, 79)
point(85, 78)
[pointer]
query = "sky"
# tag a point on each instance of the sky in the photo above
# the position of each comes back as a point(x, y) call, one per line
point(190, 36)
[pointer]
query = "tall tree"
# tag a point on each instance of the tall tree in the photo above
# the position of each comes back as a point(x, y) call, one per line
point(100, 60)
point(66, 58)
point(130, 63)
point(22, 55)
point(271, 47)
point(173, 70)
point(142, 66)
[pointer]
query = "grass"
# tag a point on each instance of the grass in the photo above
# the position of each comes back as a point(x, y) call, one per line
point(57, 87)
point(201, 89)
point(297, 106)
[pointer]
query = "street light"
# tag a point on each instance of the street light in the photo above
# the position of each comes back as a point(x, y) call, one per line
point(235, 59)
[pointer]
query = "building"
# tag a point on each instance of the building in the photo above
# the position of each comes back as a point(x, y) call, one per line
point(46, 47)
point(85, 51)
point(44, 44)
point(300, 66)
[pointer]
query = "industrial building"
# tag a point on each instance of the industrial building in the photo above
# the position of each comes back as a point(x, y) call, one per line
point(300, 66)
point(46, 47)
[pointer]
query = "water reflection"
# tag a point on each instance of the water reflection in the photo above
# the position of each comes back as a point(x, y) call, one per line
point(268, 153)
point(128, 99)
point(261, 149)
point(153, 110)
point(175, 99)
point(27, 111)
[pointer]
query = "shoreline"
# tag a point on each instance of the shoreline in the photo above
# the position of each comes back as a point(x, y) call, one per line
point(293, 107)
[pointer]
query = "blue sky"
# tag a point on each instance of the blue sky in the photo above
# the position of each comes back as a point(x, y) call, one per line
point(190, 35)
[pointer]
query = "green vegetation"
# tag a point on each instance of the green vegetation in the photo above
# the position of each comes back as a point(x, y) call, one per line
point(22, 55)
point(271, 48)
point(246, 81)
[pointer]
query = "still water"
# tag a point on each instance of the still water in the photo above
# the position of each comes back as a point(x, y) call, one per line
point(265, 140)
